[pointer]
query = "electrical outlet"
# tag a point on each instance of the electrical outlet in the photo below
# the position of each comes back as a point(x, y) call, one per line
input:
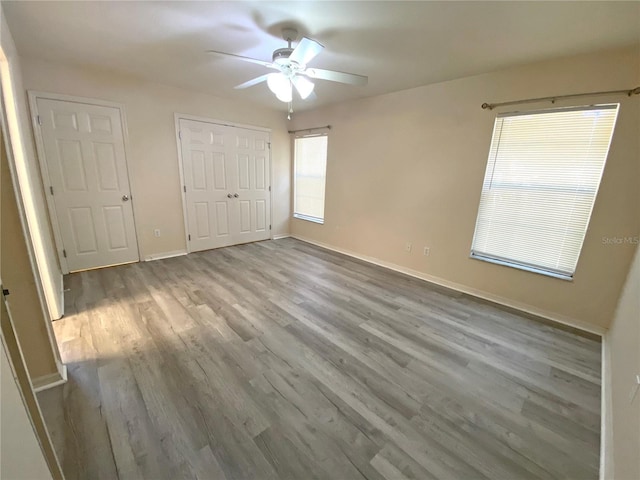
point(407, 247)
point(156, 232)
point(426, 251)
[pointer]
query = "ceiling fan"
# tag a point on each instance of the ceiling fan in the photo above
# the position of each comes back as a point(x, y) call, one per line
point(292, 71)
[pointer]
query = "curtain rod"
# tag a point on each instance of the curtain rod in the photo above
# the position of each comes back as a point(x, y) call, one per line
point(491, 106)
point(310, 129)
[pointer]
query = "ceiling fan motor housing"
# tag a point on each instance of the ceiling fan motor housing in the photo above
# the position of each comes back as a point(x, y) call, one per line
point(281, 55)
point(289, 68)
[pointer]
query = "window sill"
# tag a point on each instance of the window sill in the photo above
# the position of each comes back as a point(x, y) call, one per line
point(526, 268)
point(309, 219)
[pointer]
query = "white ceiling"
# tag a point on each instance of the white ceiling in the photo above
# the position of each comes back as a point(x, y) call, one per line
point(398, 45)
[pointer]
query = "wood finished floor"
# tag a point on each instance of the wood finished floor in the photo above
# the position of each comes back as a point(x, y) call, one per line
point(281, 360)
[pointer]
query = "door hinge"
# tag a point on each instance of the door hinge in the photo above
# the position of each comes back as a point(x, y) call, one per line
point(64, 253)
point(180, 134)
point(51, 189)
point(269, 227)
point(269, 187)
point(184, 187)
point(39, 120)
point(189, 237)
point(5, 292)
point(269, 143)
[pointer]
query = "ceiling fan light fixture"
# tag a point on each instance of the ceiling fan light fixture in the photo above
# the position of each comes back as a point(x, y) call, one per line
point(304, 86)
point(291, 65)
point(281, 86)
point(285, 97)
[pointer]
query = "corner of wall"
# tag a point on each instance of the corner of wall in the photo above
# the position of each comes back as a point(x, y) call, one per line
point(606, 414)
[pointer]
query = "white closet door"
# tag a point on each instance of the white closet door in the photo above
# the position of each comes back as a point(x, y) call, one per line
point(209, 197)
point(227, 191)
point(252, 174)
point(86, 164)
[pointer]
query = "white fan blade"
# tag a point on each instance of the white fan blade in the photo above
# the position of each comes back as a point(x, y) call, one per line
point(252, 82)
point(244, 59)
point(333, 76)
point(305, 51)
point(303, 85)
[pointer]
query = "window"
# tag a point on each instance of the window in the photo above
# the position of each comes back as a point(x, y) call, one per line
point(543, 173)
point(310, 159)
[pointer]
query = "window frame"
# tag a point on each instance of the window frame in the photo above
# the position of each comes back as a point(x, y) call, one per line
point(302, 216)
point(523, 265)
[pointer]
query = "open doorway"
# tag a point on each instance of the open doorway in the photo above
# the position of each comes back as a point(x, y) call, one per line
point(27, 356)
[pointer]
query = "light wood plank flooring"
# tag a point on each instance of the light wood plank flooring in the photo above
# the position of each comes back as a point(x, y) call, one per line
point(281, 360)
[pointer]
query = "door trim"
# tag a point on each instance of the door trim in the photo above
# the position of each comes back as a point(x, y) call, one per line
point(186, 116)
point(34, 95)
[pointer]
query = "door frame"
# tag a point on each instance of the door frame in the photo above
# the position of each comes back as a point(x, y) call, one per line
point(34, 95)
point(61, 376)
point(183, 195)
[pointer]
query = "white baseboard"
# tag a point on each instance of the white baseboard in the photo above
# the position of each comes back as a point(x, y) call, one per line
point(51, 380)
point(523, 307)
point(160, 256)
point(278, 237)
point(606, 414)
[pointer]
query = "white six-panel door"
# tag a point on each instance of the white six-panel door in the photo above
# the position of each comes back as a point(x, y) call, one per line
point(226, 184)
point(89, 184)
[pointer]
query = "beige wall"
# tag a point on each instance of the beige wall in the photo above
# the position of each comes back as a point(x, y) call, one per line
point(623, 345)
point(408, 167)
point(152, 153)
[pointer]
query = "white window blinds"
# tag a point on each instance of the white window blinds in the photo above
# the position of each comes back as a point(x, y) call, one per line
point(310, 157)
point(542, 177)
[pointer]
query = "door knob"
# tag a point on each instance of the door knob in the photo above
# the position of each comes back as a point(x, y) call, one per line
point(236, 195)
point(125, 198)
point(229, 195)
